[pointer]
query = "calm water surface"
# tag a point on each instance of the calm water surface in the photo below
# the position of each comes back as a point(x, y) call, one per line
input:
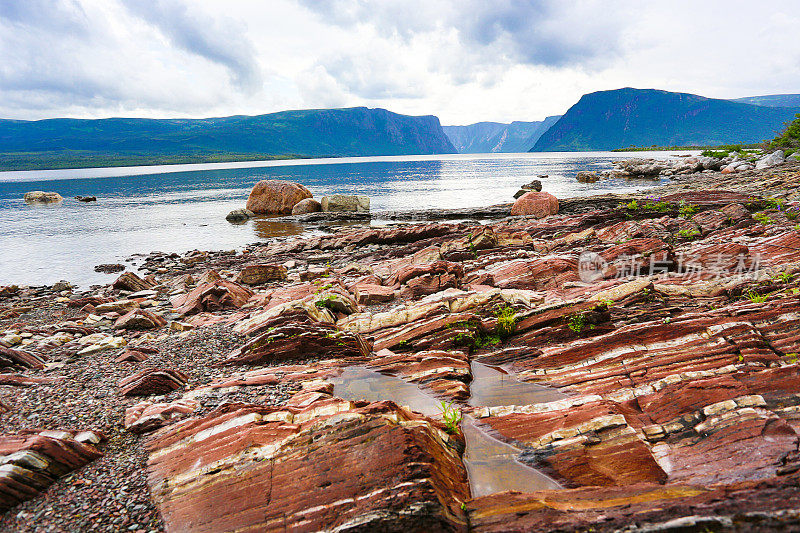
point(182, 207)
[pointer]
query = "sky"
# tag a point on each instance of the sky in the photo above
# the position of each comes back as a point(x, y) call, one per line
point(464, 61)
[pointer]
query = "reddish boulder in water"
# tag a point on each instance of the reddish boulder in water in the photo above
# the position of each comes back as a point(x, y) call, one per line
point(537, 204)
point(276, 197)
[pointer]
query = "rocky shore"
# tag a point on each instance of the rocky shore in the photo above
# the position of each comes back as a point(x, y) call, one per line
point(645, 350)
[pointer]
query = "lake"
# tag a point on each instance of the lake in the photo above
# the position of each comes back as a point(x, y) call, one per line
point(176, 208)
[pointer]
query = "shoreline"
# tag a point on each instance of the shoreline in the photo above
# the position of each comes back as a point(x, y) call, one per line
point(144, 377)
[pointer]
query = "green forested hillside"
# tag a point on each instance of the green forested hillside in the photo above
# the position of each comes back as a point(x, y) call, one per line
point(308, 133)
point(620, 118)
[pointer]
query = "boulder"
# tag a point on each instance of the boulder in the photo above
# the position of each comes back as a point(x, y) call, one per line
point(258, 274)
point(309, 205)
point(139, 319)
point(152, 381)
point(131, 282)
point(345, 202)
point(276, 197)
point(537, 204)
point(770, 160)
point(239, 215)
point(586, 176)
point(212, 296)
point(41, 197)
point(86, 198)
point(535, 185)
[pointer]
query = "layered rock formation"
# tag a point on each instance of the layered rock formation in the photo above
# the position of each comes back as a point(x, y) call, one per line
point(644, 359)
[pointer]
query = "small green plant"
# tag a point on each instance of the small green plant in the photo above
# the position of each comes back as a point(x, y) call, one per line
point(506, 321)
point(762, 218)
point(325, 302)
point(792, 212)
point(791, 357)
point(773, 203)
point(403, 345)
point(633, 205)
point(685, 210)
point(783, 277)
point(451, 416)
point(689, 234)
point(756, 298)
point(579, 322)
point(658, 206)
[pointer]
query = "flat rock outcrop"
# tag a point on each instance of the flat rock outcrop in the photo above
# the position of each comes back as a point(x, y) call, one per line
point(320, 467)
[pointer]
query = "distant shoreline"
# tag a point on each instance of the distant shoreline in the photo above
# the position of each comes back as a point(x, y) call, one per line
point(22, 161)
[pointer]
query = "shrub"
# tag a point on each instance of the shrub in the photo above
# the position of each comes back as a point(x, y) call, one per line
point(790, 136)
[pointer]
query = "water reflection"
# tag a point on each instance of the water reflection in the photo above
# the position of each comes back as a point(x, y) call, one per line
point(493, 386)
point(266, 227)
point(492, 465)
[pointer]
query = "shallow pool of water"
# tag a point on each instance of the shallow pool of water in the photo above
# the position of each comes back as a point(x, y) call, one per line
point(492, 465)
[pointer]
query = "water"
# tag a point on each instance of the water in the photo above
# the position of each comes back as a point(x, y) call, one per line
point(492, 386)
point(182, 207)
point(492, 465)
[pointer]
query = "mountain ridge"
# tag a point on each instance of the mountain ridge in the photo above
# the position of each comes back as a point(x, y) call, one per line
point(619, 118)
point(497, 137)
point(357, 131)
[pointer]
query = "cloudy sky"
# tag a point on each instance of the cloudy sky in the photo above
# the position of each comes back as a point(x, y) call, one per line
point(462, 60)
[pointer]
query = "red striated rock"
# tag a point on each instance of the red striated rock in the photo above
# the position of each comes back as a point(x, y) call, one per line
point(736, 212)
point(707, 198)
point(17, 380)
point(309, 205)
point(296, 336)
point(633, 229)
point(18, 359)
point(638, 257)
point(131, 356)
point(711, 220)
point(466, 247)
point(276, 197)
point(89, 300)
point(146, 416)
point(212, 296)
point(746, 507)
point(262, 273)
point(368, 294)
point(420, 280)
point(532, 274)
point(327, 466)
point(588, 443)
point(139, 319)
point(129, 281)
point(152, 381)
point(537, 204)
point(445, 373)
point(33, 461)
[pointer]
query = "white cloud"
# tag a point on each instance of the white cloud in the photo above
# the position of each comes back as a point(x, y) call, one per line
point(465, 61)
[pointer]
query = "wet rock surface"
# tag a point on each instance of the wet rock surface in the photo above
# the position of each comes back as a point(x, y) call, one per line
point(628, 363)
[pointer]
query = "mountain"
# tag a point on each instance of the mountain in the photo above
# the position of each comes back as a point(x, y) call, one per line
point(309, 133)
point(620, 118)
point(771, 100)
point(490, 137)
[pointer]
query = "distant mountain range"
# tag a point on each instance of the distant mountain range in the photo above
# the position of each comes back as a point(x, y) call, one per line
point(771, 100)
point(355, 131)
point(492, 137)
point(621, 118)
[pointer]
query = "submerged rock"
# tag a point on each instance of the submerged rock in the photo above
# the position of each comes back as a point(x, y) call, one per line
point(276, 197)
point(239, 215)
